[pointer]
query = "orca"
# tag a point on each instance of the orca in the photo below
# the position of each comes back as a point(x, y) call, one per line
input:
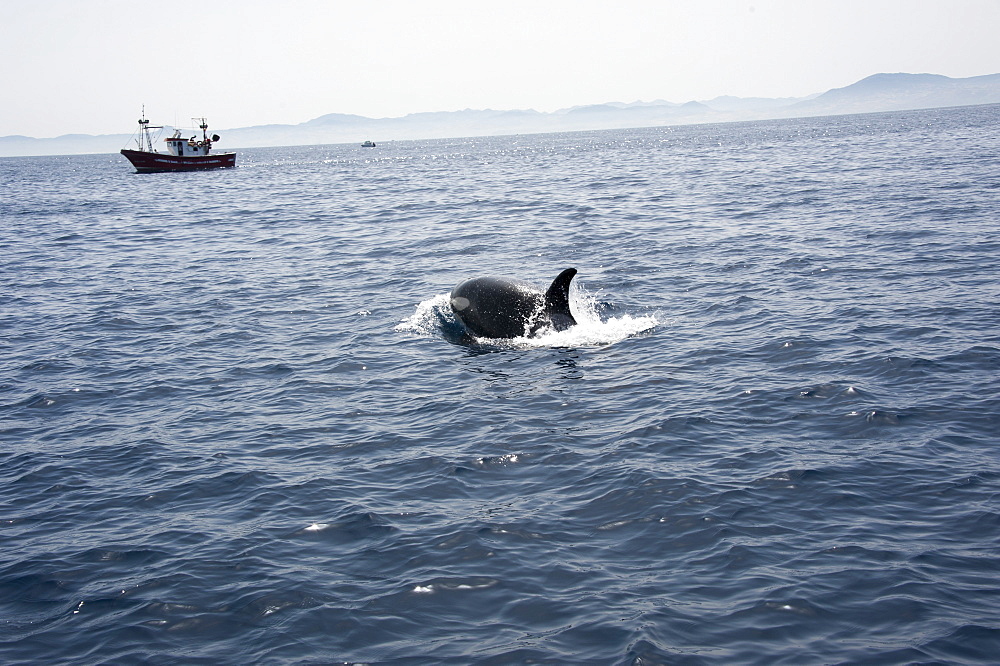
point(491, 307)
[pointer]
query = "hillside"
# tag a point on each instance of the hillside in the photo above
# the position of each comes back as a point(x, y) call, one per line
point(879, 92)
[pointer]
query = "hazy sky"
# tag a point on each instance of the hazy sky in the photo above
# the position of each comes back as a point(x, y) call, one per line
point(88, 66)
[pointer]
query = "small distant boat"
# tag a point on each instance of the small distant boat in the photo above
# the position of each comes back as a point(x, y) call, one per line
point(182, 154)
point(368, 144)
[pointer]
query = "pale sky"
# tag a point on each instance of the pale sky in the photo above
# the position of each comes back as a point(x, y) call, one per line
point(88, 66)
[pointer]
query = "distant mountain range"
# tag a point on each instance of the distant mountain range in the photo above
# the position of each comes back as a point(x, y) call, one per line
point(880, 92)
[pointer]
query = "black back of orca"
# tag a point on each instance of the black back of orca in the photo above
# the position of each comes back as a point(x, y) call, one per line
point(491, 307)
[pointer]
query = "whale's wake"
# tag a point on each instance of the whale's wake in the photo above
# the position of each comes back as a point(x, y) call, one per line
point(597, 324)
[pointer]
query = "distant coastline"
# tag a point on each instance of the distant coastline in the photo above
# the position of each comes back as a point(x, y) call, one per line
point(879, 92)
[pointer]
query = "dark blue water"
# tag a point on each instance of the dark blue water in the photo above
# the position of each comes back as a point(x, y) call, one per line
point(237, 424)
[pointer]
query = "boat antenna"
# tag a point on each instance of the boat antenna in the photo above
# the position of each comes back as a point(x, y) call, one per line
point(144, 132)
point(145, 139)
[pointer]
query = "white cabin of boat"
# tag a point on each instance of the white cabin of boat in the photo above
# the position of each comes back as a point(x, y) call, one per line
point(177, 145)
point(193, 147)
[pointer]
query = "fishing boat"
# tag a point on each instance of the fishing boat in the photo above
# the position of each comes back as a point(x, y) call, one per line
point(368, 144)
point(191, 154)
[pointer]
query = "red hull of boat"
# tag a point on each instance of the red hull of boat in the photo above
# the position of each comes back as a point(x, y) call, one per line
point(151, 162)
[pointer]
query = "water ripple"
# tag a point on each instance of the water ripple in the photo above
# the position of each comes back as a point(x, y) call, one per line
point(254, 432)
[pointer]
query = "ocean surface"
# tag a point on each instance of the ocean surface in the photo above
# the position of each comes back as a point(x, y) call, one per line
point(240, 424)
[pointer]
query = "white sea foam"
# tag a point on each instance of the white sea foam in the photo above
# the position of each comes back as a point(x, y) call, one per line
point(427, 318)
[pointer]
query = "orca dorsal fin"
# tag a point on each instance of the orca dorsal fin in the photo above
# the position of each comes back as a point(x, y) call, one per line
point(557, 300)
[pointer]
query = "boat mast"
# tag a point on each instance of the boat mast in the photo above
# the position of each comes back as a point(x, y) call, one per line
point(144, 132)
